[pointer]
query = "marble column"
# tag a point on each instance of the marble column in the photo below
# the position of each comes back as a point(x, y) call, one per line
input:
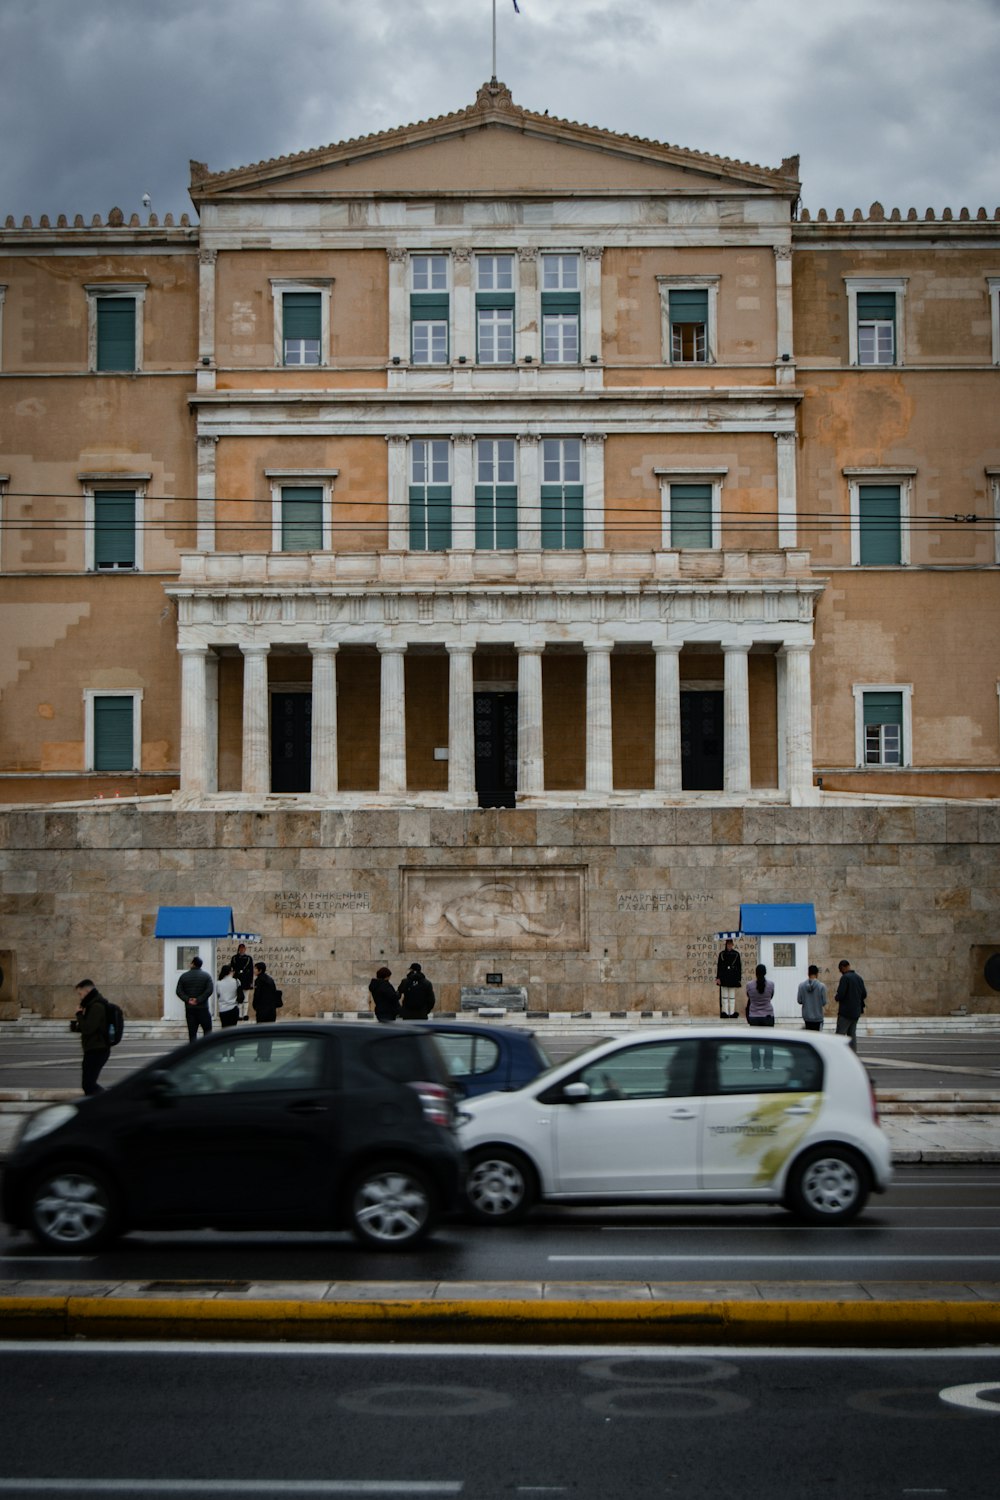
point(667, 734)
point(463, 505)
point(398, 493)
point(593, 490)
point(529, 493)
point(590, 350)
point(599, 761)
point(788, 535)
point(392, 720)
point(798, 720)
point(463, 335)
point(205, 538)
point(461, 735)
point(529, 316)
point(256, 721)
point(399, 305)
point(323, 779)
point(737, 718)
point(530, 749)
point(195, 737)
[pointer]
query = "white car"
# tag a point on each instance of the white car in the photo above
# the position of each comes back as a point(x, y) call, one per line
point(712, 1115)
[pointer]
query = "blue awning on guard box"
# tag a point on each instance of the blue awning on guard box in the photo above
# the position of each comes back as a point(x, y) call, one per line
point(785, 918)
point(194, 922)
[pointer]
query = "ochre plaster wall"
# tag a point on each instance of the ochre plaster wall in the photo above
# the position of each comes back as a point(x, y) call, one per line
point(244, 503)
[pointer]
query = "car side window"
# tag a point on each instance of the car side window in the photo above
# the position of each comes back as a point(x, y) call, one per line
point(795, 1068)
point(295, 1062)
point(465, 1056)
point(656, 1070)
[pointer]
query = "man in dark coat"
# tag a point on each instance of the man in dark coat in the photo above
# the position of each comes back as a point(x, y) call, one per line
point(242, 966)
point(92, 1020)
point(196, 989)
point(850, 997)
point(416, 995)
point(265, 1006)
point(383, 995)
point(729, 978)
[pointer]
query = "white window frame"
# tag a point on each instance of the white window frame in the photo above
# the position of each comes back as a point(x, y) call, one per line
point(133, 484)
point(291, 478)
point(564, 257)
point(904, 478)
point(714, 477)
point(89, 694)
point(993, 481)
point(668, 284)
point(859, 689)
point(411, 480)
point(894, 284)
point(96, 290)
point(279, 286)
point(493, 256)
point(993, 283)
point(497, 322)
point(561, 322)
point(433, 327)
point(430, 255)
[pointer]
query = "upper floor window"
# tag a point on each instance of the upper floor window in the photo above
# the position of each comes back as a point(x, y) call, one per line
point(875, 308)
point(992, 282)
point(430, 495)
point(880, 504)
point(301, 322)
point(562, 493)
point(883, 724)
point(113, 521)
point(561, 309)
point(112, 737)
point(301, 509)
point(429, 309)
point(496, 493)
point(691, 507)
point(495, 309)
point(688, 319)
point(114, 336)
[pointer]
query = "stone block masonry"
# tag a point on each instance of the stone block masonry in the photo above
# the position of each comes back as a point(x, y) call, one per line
point(598, 909)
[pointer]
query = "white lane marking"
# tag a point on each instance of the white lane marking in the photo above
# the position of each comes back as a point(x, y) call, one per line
point(480, 1351)
point(843, 1256)
point(741, 1229)
point(236, 1486)
point(971, 1397)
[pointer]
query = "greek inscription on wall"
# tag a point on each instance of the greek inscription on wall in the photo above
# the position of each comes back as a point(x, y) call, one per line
point(662, 900)
point(287, 962)
point(320, 903)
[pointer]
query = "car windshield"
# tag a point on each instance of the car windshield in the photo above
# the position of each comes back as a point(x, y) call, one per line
point(570, 1057)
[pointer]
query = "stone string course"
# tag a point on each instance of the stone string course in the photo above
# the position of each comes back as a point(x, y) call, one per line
point(905, 892)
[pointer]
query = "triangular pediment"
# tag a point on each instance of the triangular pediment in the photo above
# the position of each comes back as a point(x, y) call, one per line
point(493, 146)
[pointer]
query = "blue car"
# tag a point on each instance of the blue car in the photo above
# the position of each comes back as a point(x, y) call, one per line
point(483, 1059)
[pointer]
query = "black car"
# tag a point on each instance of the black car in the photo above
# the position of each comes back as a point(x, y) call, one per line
point(295, 1126)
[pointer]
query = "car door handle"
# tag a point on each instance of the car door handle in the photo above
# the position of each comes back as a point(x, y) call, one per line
point(308, 1107)
point(798, 1109)
point(683, 1114)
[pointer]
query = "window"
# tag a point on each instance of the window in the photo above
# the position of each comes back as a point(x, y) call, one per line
point(112, 731)
point(992, 282)
point(301, 509)
point(688, 318)
point(467, 1055)
point(883, 724)
point(113, 506)
point(562, 493)
point(430, 495)
point(560, 309)
point(874, 308)
point(690, 515)
point(496, 494)
point(795, 1068)
point(429, 309)
point(301, 321)
point(293, 1063)
point(115, 327)
point(495, 309)
point(880, 503)
point(658, 1070)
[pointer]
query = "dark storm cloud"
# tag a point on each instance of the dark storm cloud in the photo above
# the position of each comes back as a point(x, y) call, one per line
point(104, 100)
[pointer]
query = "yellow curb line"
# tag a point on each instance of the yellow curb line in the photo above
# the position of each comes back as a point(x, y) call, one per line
point(559, 1321)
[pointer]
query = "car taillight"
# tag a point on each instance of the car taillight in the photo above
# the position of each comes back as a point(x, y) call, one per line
point(436, 1102)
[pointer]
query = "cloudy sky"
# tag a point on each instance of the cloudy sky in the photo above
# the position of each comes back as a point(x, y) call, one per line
point(105, 100)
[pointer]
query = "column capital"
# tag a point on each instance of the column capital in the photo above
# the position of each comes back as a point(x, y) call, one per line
point(672, 647)
point(460, 438)
point(386, 646)
point(598, 645)
point(394, 253)
point(254, 648)
point(788, 647)
point(529, 648)
point(785, 437)
point(399, 438)
point(527, 252)
point(460, 648)
point(735, 647)
point(207, 257)
point(330, 647)
point(782, 252)
point(194, 648)
point(528, 437)
point(593, 252)
point(594, 438)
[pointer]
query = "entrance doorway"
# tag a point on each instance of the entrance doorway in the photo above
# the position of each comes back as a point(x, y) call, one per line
point(496, 748)
point(291, 742)
point(702, 731)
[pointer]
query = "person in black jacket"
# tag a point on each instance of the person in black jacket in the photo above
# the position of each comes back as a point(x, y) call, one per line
point(196, 989)
point(265, 1006)
point(242, 966)
point(92, 1023)
point(850, 997)
point(728, 977)
point(416, 995)
point(383, 995)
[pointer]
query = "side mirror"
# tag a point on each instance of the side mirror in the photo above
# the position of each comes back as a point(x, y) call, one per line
point(576, 1093)
point(160, 1087)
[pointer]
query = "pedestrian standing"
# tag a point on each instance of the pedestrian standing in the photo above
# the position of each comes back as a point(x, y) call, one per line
point(92, 1021)
point(760, 1012)
point(242, 966)
point(383, 995)
point(812, 998)
point(850, 997)
point(196, 989)
point(266, 1001)
point(729, 977)
point(228, 992)
point(416, 995)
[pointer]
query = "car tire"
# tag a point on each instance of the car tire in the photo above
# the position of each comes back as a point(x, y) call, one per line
point(391, 1206)
point(501, 1186)
point(72, 1208)
point(828, 1185)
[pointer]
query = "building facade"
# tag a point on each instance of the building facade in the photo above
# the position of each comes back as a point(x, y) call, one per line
point(500, 461)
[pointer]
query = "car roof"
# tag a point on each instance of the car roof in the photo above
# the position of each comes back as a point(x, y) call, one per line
point(478, 1028)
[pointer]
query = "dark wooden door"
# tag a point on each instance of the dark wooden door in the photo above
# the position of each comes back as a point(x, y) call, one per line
point(496, 748)
point(702, 732)
point(291, 742)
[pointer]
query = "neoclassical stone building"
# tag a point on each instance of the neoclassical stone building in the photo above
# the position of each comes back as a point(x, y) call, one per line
point(501, 461)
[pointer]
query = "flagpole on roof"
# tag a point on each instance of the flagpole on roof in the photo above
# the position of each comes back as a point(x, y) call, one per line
point(494, 77)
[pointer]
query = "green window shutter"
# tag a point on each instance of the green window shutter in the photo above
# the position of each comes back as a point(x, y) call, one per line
point(496, 517)
point(883, 708)
point(689, 306)
point(879, 517)
point(494, 299)
point(302, 315)
point(430, 517)
point(560, 302)
point(114, 529)
point(113, 734)
point(690, 515)
point(116, 333)
point(429, 305)
point(562, 516)
point(876, 307)
point(302, 519)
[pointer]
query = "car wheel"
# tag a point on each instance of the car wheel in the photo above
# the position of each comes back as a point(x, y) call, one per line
point(391, 1206)
point(828, 1185)
point(500, 1187)
point(72, 1209)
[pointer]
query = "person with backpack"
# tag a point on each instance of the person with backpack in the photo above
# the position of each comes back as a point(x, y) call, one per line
point(93, 1021)
point(416, 995)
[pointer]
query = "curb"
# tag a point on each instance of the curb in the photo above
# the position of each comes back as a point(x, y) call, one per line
point(905, 1322)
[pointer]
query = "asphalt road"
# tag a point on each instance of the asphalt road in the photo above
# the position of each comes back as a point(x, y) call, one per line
point(961, 1060)
point(934, 1225)
point(487, 1422)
